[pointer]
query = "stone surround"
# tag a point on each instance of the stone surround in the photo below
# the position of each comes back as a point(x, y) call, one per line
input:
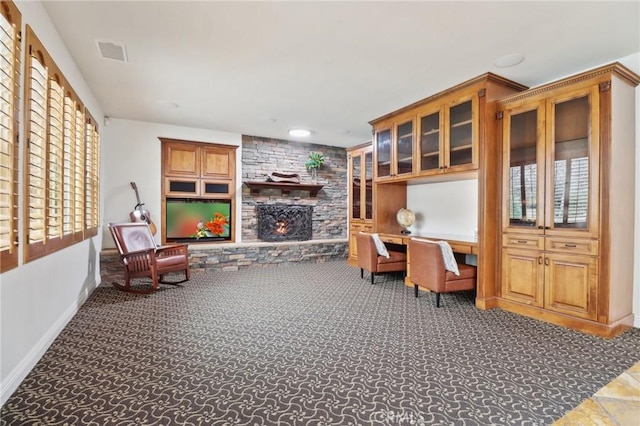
point(262, 156)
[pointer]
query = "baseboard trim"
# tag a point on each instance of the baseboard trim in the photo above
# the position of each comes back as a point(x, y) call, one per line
point(20, 372)
point(636, 321)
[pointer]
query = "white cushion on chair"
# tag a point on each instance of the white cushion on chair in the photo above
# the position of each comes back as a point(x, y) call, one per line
point(380, 247)
point(450, 263)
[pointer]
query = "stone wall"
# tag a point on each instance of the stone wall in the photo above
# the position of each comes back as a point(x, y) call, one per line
point(262, 156)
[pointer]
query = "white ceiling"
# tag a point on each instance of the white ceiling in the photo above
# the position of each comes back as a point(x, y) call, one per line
point(261, 68)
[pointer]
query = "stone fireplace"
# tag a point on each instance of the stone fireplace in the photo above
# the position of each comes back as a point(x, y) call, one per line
point(284, 222)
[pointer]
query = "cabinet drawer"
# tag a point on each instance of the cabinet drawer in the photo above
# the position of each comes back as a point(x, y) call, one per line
point(572, 245)
point(461, 248)
point(391, 240)
point(530, 241)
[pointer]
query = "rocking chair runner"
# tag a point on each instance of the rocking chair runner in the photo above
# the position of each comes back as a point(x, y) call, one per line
point(141, 257)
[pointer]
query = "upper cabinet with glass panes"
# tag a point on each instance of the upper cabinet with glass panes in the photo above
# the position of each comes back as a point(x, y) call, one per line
point(394, 148)
point(551, 154)
point(437, 135)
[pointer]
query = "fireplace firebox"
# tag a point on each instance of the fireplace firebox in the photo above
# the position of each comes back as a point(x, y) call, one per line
point(281, 222)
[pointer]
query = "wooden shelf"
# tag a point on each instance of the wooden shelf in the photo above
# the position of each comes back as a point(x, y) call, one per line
point(461, 147)
point(431, 132)
point(461, 123)
point(256, 187)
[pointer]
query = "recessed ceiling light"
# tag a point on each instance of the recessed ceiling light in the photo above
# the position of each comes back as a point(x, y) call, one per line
point(507, 61)
point(299, 132)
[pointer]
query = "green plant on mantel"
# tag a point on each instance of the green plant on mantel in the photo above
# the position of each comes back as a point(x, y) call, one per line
point(315, 161)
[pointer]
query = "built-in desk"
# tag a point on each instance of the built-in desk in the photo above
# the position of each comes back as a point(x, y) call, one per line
point(461, 244)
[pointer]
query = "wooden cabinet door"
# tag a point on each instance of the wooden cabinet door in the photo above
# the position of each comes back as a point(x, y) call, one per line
point(430, 146)
point(571, 284)
point(403, 147)
point(182, 160)
point(523, 276)
point(218, 163)
point(461, 134)
point(572, 158)
point(523, 171)
point(383, 152)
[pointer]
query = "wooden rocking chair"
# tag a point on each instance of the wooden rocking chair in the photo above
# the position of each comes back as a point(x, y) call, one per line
point(141, 257)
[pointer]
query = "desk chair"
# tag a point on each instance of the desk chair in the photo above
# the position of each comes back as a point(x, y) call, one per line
point(428, 270)
point(374, 263)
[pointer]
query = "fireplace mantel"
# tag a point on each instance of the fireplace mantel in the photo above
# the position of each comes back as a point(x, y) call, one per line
point(256, 187)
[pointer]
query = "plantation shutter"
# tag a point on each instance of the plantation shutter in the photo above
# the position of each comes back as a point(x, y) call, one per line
point(55, 161)
point(69, 157)
point(91, 176)
point(9, 81)
point(36, 155)
point(78, 178)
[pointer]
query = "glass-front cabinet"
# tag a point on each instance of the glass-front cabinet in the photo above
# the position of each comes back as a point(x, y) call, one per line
point(360, 160)
point(383, 152)
point(395, 148)
point(461, 134)
point(447, 136)
point(551, 157)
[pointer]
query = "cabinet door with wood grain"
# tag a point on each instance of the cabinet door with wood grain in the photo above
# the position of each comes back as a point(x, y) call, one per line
point(182, 159)
point(571, 284)
point(523, 276)
point(218, 163)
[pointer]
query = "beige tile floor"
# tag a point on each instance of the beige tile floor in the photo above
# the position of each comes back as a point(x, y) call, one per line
point(616, 404)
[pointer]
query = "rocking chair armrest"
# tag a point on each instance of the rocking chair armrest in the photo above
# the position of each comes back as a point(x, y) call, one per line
point(137, 253)
point(172, 249)
point(139, 260)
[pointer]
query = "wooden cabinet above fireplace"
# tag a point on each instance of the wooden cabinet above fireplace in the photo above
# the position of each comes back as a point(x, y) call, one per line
point(199, 172)
point(192, 169)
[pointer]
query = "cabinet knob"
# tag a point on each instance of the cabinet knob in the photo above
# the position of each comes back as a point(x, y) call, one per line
point(546, 261)
point(540, 227)
point(539, 260)
point(547, 227)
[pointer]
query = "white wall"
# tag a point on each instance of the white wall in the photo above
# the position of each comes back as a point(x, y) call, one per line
point(131, 152)
point(37, 299)
point(444, 207)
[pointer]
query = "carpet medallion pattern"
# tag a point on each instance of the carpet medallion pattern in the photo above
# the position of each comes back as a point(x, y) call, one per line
point(309, 344)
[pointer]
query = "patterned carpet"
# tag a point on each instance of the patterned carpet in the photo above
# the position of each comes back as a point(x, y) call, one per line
point(309, 344)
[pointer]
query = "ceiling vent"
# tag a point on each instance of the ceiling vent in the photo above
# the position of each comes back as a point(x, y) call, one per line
point(109, 50)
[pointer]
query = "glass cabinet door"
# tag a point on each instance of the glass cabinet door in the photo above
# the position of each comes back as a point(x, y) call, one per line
point(356, 185)
point(570, 157)
point(383, 151)
point(430, 142)
point(404, 148)
point(368, 185)
point(461, 134)
point(525, 180)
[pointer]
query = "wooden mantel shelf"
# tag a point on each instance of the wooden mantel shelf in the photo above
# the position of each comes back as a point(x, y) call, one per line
point(255, 187)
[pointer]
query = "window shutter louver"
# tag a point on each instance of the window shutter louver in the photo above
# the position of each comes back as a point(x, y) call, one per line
point(36, 152)
point(78, 178)
point(91, 186)
point(10, 24)
point(55, 161)
point(69, 156)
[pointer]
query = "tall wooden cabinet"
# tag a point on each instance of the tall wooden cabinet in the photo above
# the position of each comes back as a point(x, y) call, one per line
point(568, 167)
point(360, 163)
